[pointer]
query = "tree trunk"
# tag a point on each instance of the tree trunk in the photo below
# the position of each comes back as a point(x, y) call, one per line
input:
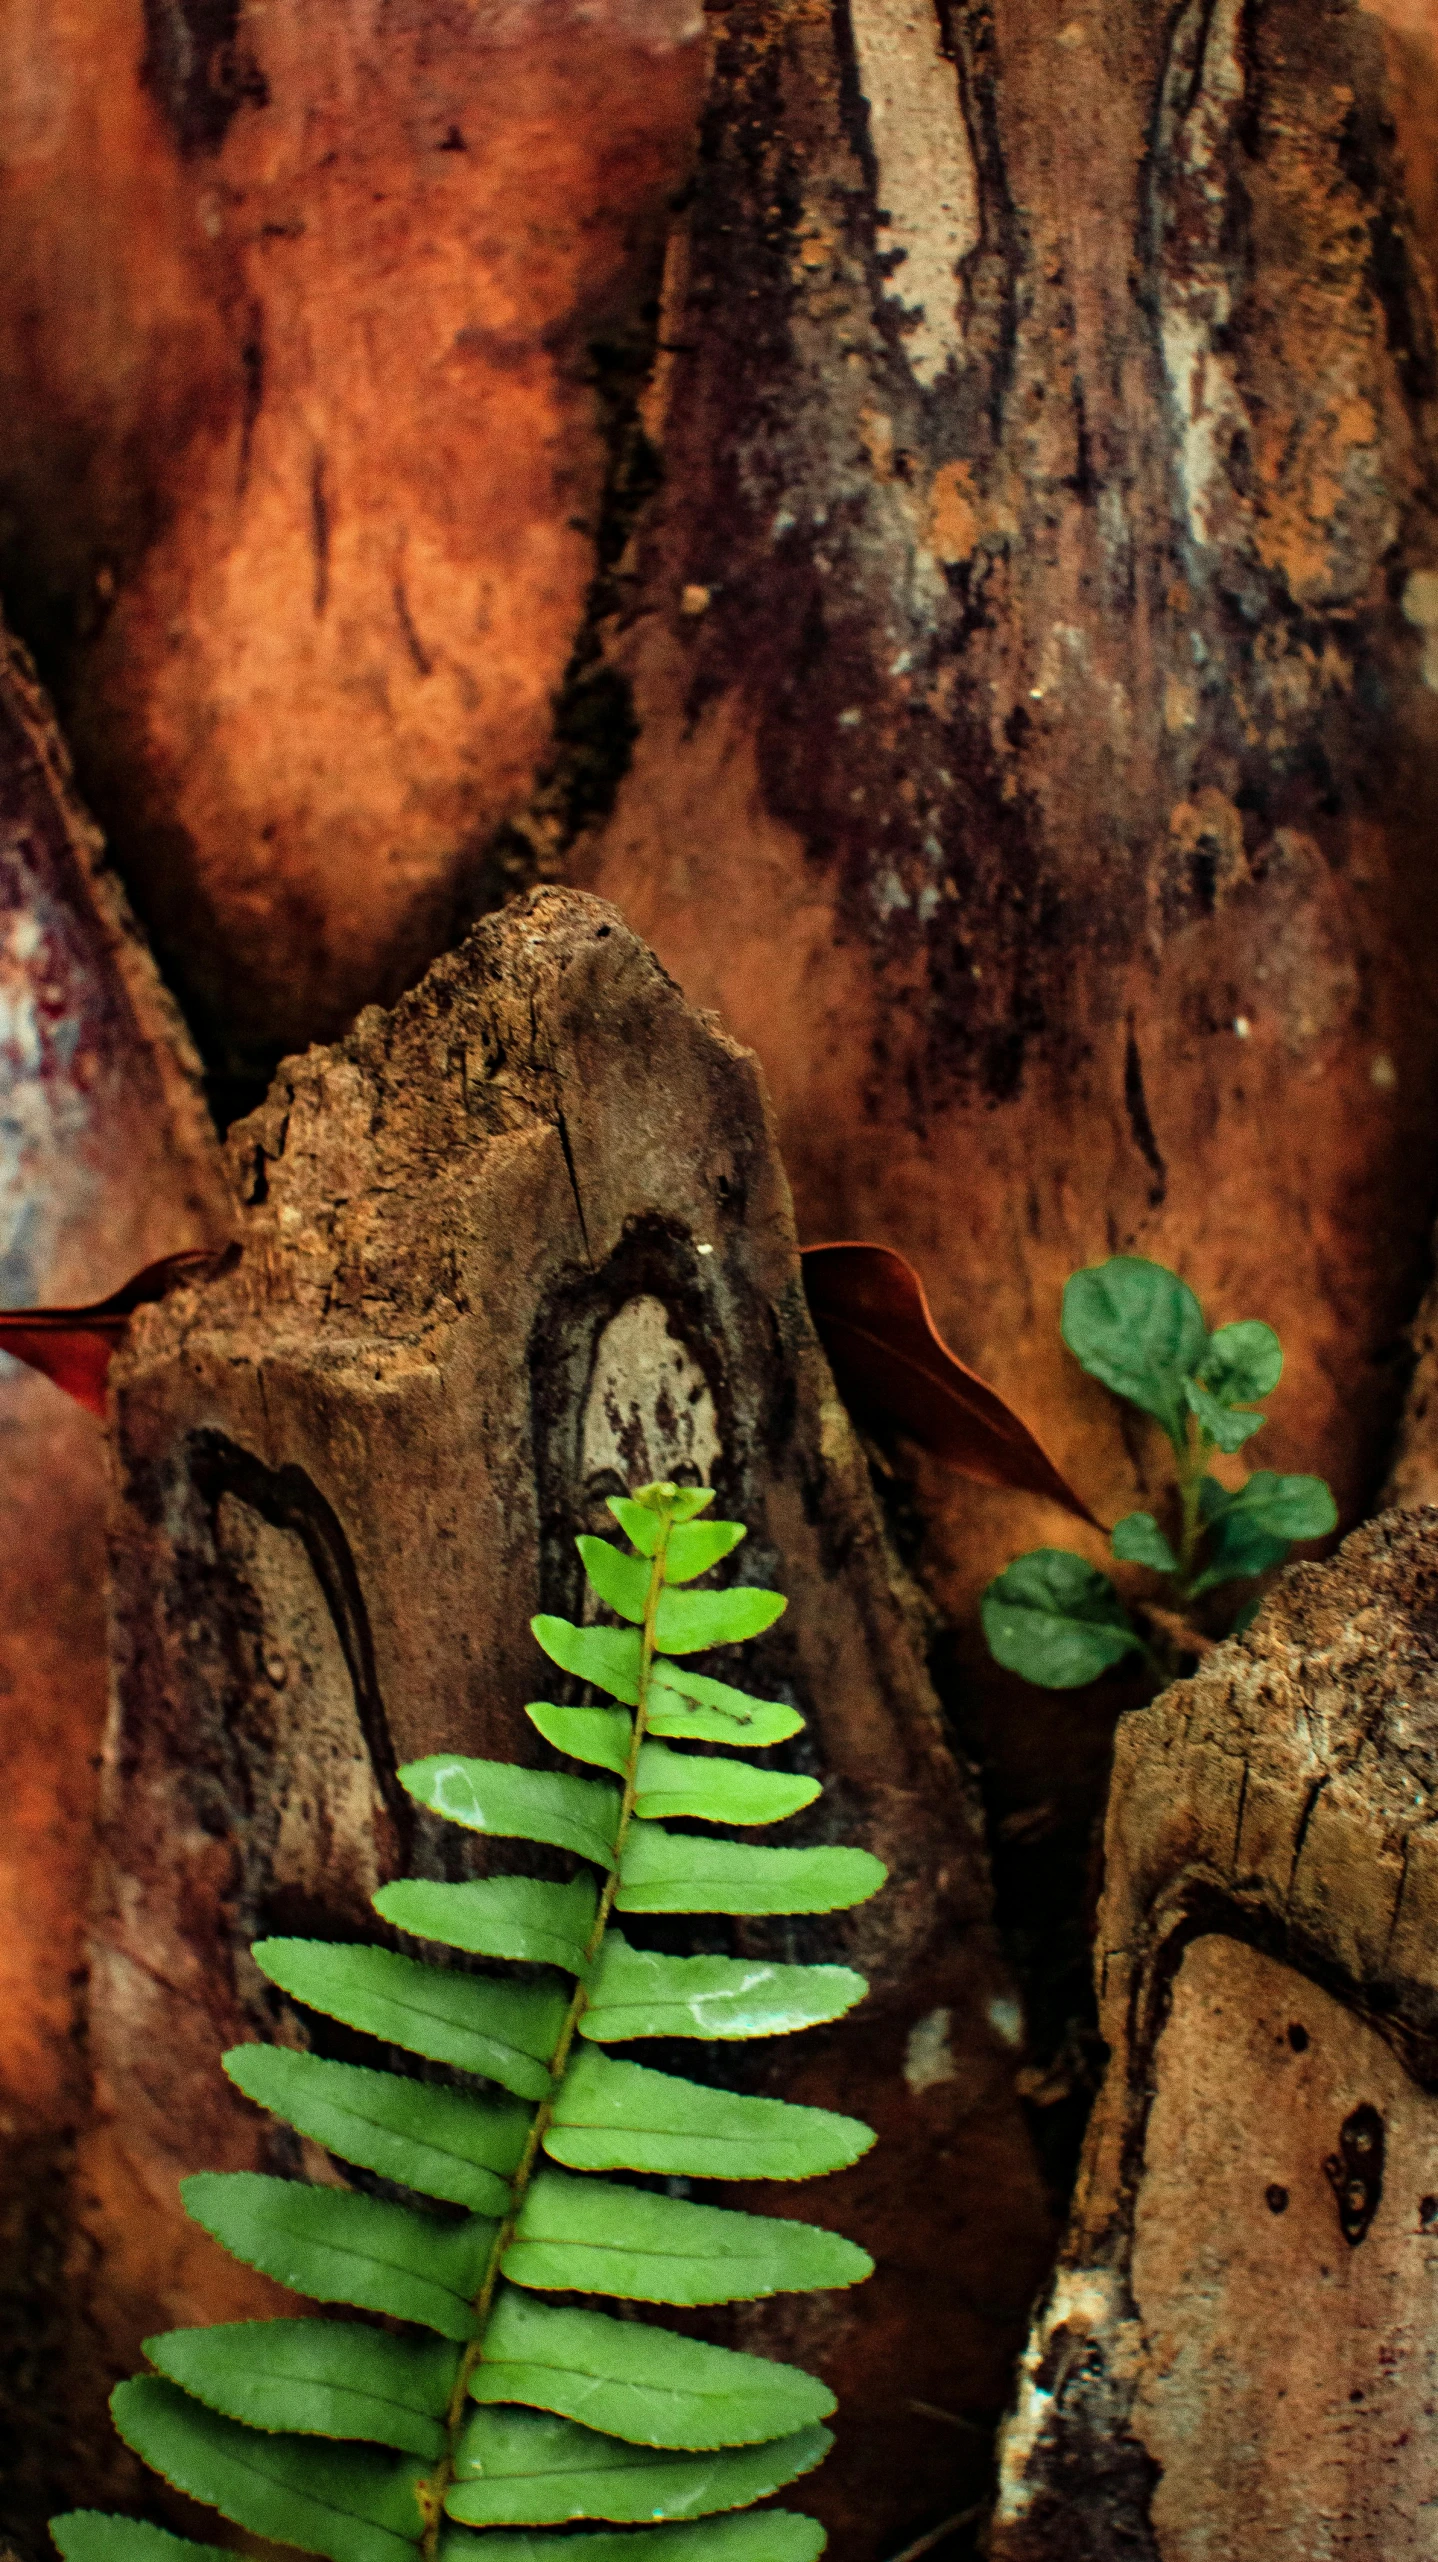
point(1237, 2352)
point(518, 1244)
point(989, 608)
point(107, 1163)
point(1034, 658)
point(1027, 670)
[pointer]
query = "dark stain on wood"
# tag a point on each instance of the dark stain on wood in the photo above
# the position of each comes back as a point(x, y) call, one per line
point(1355, 2171)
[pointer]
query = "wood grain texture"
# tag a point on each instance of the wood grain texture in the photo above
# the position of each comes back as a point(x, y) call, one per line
point(107, 1159)
point(506, 1249)
point(304, 455)
point(1236, 2355)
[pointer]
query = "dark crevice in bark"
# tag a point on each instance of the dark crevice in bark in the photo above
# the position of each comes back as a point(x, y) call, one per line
point(993, 270)
point(594, 721)
point(45, 2449)
point(1136, 1105)
point(200, 68)
point(1367, 154)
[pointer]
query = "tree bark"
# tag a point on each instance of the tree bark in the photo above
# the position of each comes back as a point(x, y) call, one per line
point(521, 1242)
point(1034, 663)
point(306, 446)
point(1026, 669)
point(107, 1161)
point(1236, 2355)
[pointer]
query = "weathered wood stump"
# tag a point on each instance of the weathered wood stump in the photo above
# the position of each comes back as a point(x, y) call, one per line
point(517, 1244)
point(107, 1161)
point(1238, 2355)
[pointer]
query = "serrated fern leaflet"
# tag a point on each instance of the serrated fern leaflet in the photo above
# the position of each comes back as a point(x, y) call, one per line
point(493, 2406)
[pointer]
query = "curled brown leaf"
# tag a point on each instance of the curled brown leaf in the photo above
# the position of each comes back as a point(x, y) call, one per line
point(892, 1367)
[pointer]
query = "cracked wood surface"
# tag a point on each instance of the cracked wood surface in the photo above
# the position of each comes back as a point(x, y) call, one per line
point(521, 1241)
point(1236, 2358)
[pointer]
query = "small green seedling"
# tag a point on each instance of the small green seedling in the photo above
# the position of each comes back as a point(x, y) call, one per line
point(1136, 1326)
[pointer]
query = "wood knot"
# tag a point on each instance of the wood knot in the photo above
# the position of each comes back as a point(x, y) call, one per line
point(1355, 2171)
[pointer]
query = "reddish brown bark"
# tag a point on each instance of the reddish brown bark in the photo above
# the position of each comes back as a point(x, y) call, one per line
point(304, 454)
point(106, 1160)
point(1031, 654)
point(1034, 660)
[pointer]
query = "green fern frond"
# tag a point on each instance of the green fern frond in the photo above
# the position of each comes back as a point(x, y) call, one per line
point(497, 2415)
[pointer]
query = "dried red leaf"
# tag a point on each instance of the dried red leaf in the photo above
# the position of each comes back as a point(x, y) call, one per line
point(75, 1346)
point(892, 1366)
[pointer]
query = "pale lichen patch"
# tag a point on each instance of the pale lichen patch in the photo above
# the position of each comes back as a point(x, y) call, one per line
point(928, 2056)
point(928, 184)
point(1420, 608)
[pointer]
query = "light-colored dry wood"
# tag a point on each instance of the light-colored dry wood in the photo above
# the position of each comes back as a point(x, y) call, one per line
point(1236, 2358)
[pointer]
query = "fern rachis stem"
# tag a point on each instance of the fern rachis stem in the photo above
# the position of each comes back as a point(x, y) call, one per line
point(434, 2490)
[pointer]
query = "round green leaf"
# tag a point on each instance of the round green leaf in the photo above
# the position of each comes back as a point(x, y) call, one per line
point(1238, 1548)
point(1138, 1541)
point(1285, 1507)
point(1056, 1620)
point(1251, 1530)
point(1243, 1363)
point(1138, 1328)
point(1227, 1427)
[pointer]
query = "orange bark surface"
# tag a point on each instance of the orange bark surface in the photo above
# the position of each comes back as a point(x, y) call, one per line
point(1034, 651)
point(303, 455)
